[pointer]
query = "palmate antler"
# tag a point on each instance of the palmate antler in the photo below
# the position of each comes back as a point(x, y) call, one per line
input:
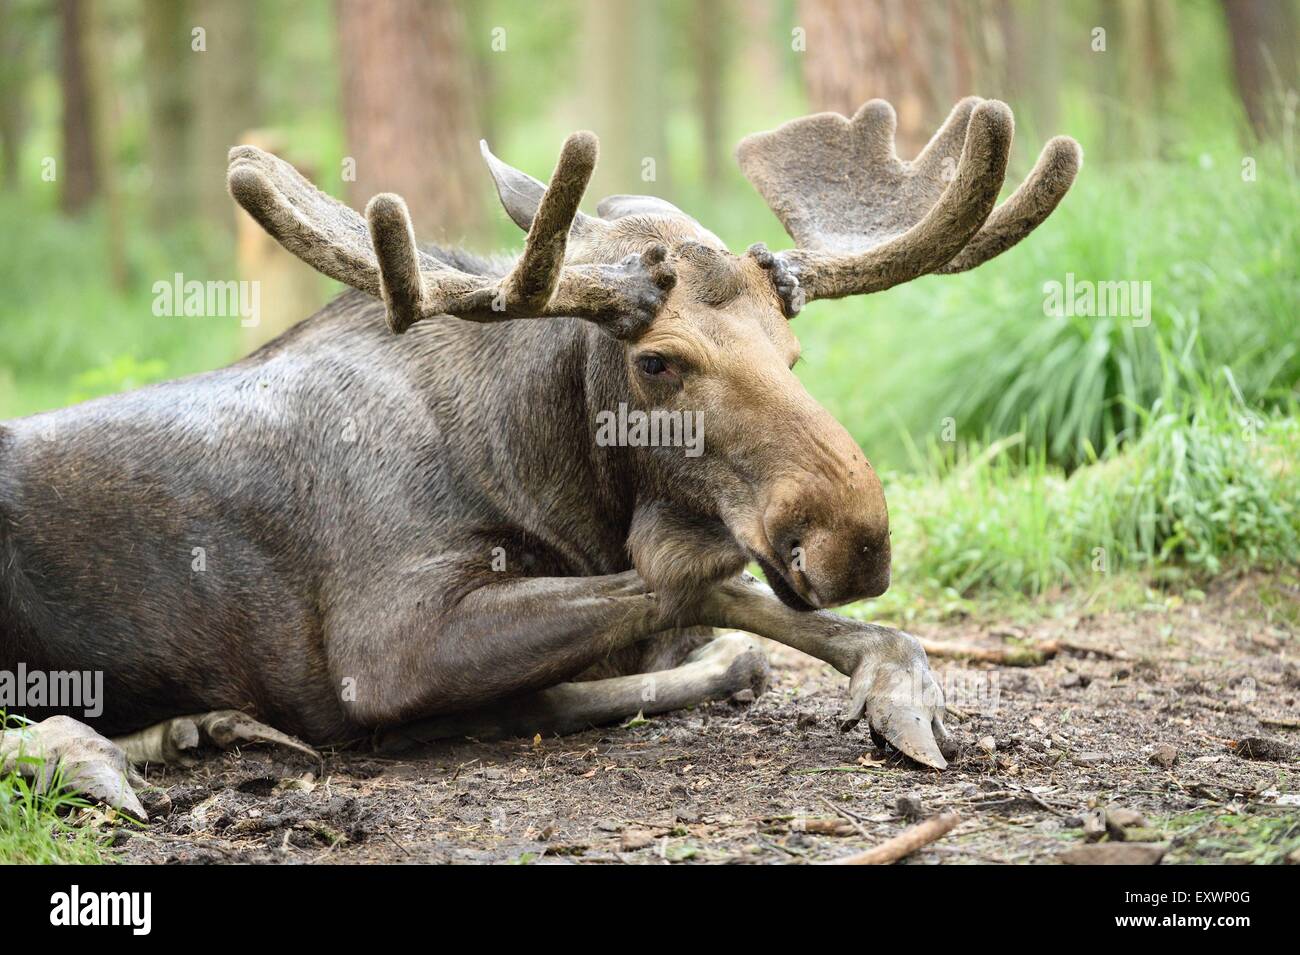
point(378, 254)
point(865, 220)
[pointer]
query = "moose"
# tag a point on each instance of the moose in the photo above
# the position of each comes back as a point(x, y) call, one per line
point(409, 530)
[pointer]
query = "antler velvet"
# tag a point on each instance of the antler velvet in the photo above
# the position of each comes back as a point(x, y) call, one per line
point(865, 220)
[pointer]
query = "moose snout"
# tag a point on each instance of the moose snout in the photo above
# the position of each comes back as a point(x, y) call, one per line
point(833, 548)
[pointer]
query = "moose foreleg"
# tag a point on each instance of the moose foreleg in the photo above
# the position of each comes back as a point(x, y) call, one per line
point(890, 680)
point(526, 636)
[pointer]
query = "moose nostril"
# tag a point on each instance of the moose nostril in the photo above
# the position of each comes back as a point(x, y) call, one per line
point(789, 550)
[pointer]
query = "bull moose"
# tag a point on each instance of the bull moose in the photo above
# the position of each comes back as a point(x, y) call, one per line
point(410, 530)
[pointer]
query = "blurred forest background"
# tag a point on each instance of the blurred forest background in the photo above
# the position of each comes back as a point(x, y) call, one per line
point(1028, 452)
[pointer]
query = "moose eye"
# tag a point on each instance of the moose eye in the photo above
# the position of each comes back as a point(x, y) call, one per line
point(652, 366)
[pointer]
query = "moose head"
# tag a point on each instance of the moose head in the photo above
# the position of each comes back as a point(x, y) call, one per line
point(700, 329)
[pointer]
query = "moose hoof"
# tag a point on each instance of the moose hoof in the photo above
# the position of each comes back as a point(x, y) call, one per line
point(902, 703)
point(62, 753)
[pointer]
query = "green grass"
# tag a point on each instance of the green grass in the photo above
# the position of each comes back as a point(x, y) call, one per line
point(1203, 490)
point(1265, 837)
point(67, 333)
point(35, 827)
point(976, 352)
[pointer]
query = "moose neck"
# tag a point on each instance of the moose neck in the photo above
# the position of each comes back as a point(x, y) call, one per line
point(524, 399)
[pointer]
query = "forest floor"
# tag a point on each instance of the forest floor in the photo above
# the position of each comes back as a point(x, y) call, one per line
point(1145, 723)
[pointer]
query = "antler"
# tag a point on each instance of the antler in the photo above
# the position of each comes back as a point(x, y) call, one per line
point(865, 220)
point(378, 254)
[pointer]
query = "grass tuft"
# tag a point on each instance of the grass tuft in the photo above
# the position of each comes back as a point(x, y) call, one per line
point(35, 827)
point(1209, 486)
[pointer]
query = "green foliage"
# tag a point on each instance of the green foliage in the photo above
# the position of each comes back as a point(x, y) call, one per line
point(1266, 836)
point(978, 349)
point(121, 374)
point(67, 332)
point(1210, 485)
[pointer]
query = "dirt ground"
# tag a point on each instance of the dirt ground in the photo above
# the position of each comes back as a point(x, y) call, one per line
point(1145, 723)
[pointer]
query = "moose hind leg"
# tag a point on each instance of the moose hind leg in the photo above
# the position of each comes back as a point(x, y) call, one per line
point(730, 663)
point(180, 740)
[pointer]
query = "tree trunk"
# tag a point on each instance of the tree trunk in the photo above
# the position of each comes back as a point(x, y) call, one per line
point(14, 75)
point(1263, 34)
point(1148, 75)
point(1045, 87)
point(905, 52)
point(104, 30)
point(168, 82)
point(709, 46)
point(1111, 83)
point(409, 112)
point(227, 102)
point(79, 170)
point(761, 50)
point(623, 50)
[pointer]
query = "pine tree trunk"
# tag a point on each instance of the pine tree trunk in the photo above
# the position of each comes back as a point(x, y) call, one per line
point(79, 169)
point(1263, 36)
point(898, 50)
point(623, 52)
point(710, 30)
point(14, 67)
point(168, 81)
point(227, 100)
point(762, 50)
point(103, 32)
point(409, 112)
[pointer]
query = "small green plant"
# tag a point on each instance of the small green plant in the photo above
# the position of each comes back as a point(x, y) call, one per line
point(121, 374)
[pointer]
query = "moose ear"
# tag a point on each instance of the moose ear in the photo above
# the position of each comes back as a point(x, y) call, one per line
point(616, 207)
point(521, 194)
point(612, 208)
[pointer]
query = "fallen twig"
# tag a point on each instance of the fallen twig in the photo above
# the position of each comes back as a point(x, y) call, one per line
point(851, 817)
point(819, 826)
point(817, 770)
point(1027, 656)
point(904, 844)
point(1083, 649)
point(1279, 723)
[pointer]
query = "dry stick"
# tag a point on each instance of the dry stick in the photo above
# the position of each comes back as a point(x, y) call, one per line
point(1280, 723)
point(851, 818)
point(1027, 656)
point(904, 844)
